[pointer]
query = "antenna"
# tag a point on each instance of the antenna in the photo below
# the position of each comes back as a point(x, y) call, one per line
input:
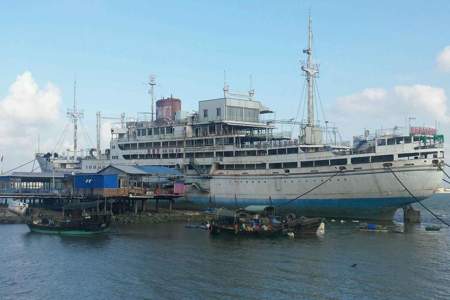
point(75, 115)
point(151, 91)
point(251, 91)
point(226, 88)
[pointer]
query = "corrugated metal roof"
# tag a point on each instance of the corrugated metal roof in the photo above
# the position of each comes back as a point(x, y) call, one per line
point(160, 170)
point(145, 170)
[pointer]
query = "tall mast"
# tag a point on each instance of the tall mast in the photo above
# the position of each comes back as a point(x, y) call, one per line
point(99, 130)
point(311, 71)
point(151, 91)
point(75, 115)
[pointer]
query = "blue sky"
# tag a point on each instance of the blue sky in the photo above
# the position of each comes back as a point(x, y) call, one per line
point(113, 46)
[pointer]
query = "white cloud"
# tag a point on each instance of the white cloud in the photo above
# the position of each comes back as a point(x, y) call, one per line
point(26, 112)
point(443, 60)
point(376, 107)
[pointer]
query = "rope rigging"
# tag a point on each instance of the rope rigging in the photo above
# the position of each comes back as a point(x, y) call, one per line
point(312, 189)
point(417, 200)
point(22, 165)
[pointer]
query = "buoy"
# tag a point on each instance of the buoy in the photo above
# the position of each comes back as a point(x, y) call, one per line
point(291, 235)
point(342, 221)
point(333, 220)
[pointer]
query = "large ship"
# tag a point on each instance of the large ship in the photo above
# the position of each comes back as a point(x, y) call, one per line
point(233, 155)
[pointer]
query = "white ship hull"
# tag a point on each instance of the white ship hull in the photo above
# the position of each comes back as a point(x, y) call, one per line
point(370, 193)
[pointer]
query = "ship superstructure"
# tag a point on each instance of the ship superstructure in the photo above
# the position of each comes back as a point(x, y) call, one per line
point(232, 155)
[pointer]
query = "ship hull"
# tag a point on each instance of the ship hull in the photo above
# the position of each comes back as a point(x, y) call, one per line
point(372, 194)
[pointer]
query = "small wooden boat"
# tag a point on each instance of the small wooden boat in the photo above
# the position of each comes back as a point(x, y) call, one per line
point(73, 221)
point(260, 220)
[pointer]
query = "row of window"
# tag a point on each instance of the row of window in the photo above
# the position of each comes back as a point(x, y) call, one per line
point(396, 140)
point(154, 131)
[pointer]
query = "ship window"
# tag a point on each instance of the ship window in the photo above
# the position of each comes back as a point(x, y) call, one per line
point(218, 112)
point(180, 143)
point(149, 131)
point(172, 155)
point(321, 163)
point(209, 142)
point(391, 141)
point(219, 154)
point(239, 153)
point(199, 154)
point(260, 166)
point(165, 155)
point(133, 146)
point(407, 139)
point(399, 140)
point(381, 142)
point(172, 143)
point(272, 151)
point(261, 153)
point(382, 158)
point(292, 150)
point(250, 166)
point(229, 167)
point(338, 162)
point(189, 143)
point(209, 154)
point(228, 154)
point(165, 144)
point(275, 166)
point(205, 113)
point(408, 155)
point(219, 141)
point(198, 142)
point(134, 156)
point(306, 164)
point(361, 160)
point(251, 153)
point(189, 155)
point(169, 130)
point(179, 155)
point(282, 151)
point(156, 130)
point(220, 167)
point(239, 166)
point(290, 165)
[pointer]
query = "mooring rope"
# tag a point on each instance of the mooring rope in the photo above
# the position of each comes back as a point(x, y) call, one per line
point(312, 189)
point(417, 200)
point(442, 169)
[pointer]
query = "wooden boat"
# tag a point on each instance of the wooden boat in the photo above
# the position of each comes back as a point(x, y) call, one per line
point(73, 221)
point(260, 220)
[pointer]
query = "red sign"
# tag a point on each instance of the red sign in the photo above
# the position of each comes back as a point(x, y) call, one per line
point(422, 130)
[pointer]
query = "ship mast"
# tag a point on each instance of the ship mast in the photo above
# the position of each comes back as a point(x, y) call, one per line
point(311, 70)
point(311, 132)
point(75, 115)
point(151, 91)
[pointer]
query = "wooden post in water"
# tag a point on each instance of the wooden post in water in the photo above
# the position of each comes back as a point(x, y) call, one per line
point(135, 207)
point(157, 205)
point(170, 205)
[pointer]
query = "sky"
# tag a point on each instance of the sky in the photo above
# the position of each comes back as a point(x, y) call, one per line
point(381, 62)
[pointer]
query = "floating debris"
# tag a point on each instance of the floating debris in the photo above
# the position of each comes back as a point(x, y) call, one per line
point(433, 228)
point(373, 227)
